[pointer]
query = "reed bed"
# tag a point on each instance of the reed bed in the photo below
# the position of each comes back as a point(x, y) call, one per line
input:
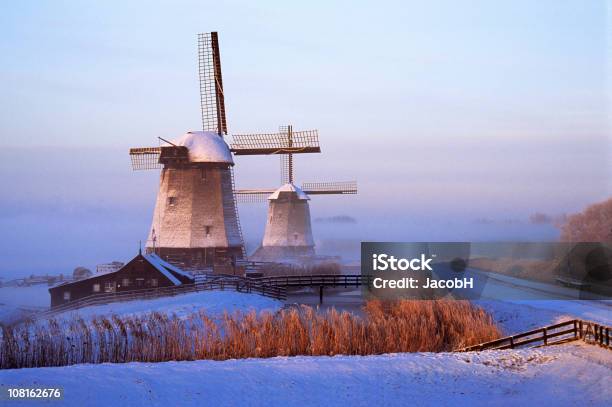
point(386, 327)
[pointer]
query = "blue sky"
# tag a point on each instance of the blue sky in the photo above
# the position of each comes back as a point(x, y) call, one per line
point(444, 112)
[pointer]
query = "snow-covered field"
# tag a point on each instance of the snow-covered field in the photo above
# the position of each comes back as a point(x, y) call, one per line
point(212, 302)
point(572, 374)
point(568, 375)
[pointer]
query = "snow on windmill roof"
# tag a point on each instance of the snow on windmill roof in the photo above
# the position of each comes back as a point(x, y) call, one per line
point(289, 188)
point(205, 147)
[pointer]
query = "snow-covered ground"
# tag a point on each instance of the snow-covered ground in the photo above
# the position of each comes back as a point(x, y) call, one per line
point(212, 302)
point(517, 316)
point(568, 375)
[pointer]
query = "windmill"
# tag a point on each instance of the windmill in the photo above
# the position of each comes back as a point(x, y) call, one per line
point(195, 221)
point(288, 233)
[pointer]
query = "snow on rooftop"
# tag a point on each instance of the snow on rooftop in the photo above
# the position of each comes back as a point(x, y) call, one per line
point(289, 188)
point(155, 261)
point(205, 147)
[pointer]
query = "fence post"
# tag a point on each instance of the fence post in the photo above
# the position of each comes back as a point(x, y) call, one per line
point(511, 342)
point(321, 294)
point(545, 336)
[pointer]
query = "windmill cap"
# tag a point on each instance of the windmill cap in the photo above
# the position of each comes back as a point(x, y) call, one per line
point(301, 195)
point(205, 147)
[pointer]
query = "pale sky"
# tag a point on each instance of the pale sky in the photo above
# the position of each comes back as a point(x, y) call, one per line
point(443, 111)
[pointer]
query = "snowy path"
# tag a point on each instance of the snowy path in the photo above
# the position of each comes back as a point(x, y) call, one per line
point(569, 375)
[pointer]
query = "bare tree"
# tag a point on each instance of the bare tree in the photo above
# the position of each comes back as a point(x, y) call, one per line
point(594, 224)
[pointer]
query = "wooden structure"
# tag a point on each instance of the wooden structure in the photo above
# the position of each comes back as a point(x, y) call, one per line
point(575, 329)
point(288, 233)
point(195, 223)
point(143, 271)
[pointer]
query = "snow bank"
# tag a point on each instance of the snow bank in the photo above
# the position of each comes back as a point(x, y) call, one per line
point(569, 375)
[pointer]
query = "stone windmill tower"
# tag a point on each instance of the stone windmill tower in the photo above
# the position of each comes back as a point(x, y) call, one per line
point(195, 221)
point(288, 233)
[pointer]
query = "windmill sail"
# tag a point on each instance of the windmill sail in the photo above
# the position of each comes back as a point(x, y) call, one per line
point(212, 99)
point(253, 195)
point(306, 141)
point(326, 188)
point(145, 158)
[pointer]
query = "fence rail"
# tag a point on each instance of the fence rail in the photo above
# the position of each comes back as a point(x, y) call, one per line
point(334, 280)
point(576, 329)
point(235, 283)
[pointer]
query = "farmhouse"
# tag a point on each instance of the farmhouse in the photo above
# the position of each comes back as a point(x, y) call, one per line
point(143, 271)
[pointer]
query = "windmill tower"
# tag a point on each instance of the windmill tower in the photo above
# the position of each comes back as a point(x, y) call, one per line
point(195, 221)
point(288, 233)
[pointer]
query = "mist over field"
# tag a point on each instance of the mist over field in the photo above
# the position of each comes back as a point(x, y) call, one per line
point(84, 206)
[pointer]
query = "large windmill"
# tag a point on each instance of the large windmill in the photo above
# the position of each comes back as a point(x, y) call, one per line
point(288, 233)
point(195, 222)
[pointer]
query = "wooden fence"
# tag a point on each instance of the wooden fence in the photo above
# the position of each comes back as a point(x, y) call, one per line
point(576, 329)
point(316, 280)
point(235, 283)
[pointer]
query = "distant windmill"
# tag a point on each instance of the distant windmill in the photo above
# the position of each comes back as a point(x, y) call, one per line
point(195, 221)
point(288, 233)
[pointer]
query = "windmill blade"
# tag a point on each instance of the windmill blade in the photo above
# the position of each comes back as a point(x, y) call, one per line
point(306, 141)
point(286, 168)
point(145, 158)
point(328, 188)
point(252, 195)
point(151, 158)
point(212, 99)
point(286, 160)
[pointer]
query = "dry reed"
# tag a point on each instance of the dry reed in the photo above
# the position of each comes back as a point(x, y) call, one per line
point(386, 327)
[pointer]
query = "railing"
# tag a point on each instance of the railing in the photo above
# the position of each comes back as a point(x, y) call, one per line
point(339, 280)
point(222, 283)
point(576, 329)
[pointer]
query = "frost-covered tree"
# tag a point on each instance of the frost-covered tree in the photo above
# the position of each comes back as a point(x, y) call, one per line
point(594, 224)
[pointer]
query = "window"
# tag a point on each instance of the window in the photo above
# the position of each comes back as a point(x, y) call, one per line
point(171, 201)
point(96, 288)
point(207, 230)
point(204, 175)
point(125, 282)
point(109, 287)
point(66, 295)
point(153, 282)
point(139, 282)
